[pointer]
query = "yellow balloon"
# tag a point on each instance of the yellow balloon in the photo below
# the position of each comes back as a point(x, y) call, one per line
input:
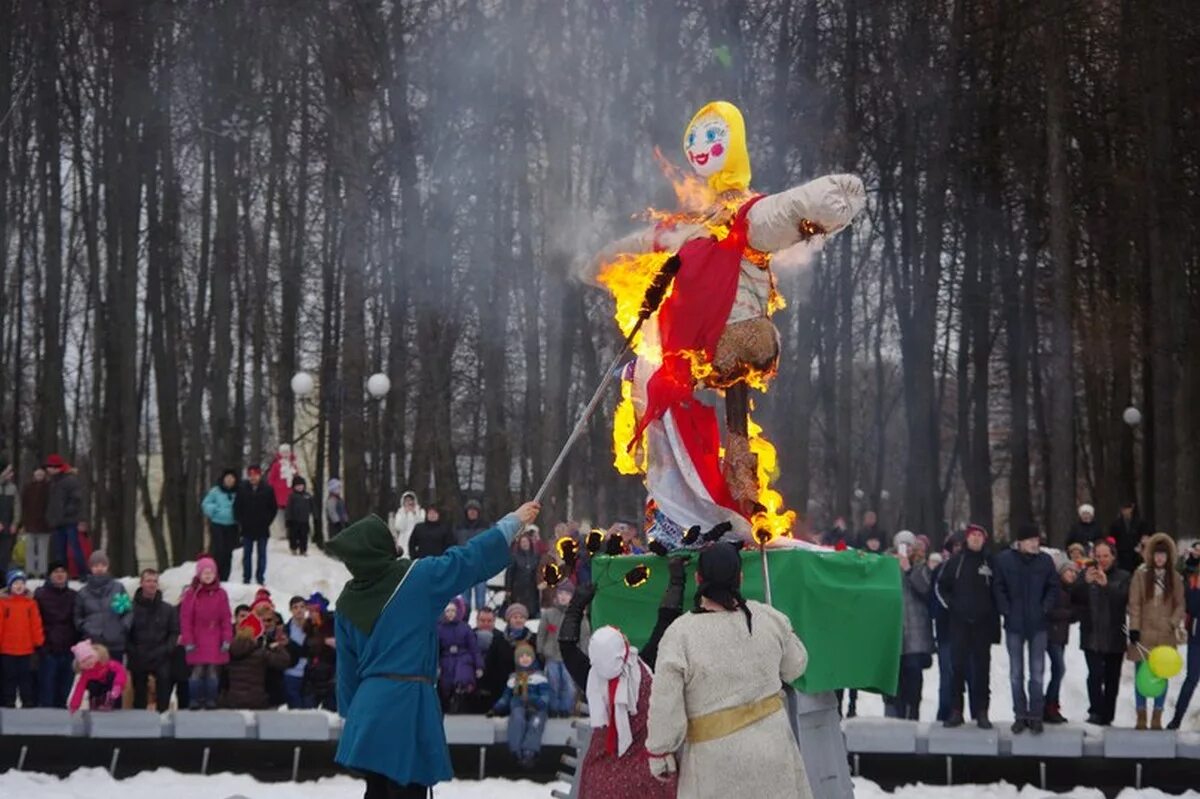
point(1165, 662)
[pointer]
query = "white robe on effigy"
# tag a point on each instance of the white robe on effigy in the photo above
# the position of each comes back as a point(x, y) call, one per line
point(709, 662)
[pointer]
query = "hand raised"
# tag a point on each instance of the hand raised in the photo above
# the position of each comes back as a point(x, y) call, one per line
point(528, 512)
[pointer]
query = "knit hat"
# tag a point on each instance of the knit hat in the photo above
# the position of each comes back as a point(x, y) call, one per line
point(98, 557)
point(83, 650)
point(523, 648)
point(924, 541)
point(566, 586)
point(334, 486)
point(904, 537)
point(318, 601)
point(1028, 530)
point(253, 624)
point(976, 528)
point(54, 566)
point(56, 462)
point(1067, 564)
point(261, 597)
point(298, 481)
point(254, 470)
point(205, 562)
point(1088, 509)
point(473, 504)
point(12, 576)
point(515, 607)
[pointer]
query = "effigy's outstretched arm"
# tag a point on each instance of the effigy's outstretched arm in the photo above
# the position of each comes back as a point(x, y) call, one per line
point(831, 202)
point(651, 238)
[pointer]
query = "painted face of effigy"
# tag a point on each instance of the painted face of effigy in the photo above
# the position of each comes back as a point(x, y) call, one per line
point(707, 144)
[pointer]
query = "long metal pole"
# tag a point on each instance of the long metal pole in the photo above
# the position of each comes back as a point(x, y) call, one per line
point(587, 414)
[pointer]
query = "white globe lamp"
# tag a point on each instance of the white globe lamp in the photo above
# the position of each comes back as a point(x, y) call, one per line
point(1132, 416)
point(378, 385)
point(859, 493)
point(885, 495)
point(302, 384)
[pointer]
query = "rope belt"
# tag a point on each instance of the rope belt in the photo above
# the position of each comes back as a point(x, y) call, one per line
point(421, 678)
point(720, 723)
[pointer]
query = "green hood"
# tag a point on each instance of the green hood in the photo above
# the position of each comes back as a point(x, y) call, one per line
point(369, 552)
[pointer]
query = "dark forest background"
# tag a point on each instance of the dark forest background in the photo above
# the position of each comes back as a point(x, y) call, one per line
point(199, 198)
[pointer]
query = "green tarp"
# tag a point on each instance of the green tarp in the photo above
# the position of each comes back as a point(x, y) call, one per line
point(845, 606)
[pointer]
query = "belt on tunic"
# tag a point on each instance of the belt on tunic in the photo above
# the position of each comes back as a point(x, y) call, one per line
point(720, 723)
point(403, 678)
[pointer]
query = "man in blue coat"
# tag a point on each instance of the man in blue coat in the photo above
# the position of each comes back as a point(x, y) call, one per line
point(1026, 588)
point(387, 649)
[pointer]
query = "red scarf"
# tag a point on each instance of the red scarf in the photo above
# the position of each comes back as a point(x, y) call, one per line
point(610, 743)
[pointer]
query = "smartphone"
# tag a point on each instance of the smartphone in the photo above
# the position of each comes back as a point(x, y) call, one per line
point(903, 550)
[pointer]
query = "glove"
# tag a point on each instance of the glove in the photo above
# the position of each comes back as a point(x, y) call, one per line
point(490, 714)
point(673, 596)
point(189, 647)
point(662, 767)
point(572, 623)
point(114, 694)
point(224, 646)
point(479, 674)
point(453, 650)
point(1135, 636)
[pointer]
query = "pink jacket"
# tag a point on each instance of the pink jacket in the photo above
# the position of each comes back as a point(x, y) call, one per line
point(100, 674)
point(205, 624)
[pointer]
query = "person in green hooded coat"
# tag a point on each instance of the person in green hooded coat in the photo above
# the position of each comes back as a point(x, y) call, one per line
point(387, 649)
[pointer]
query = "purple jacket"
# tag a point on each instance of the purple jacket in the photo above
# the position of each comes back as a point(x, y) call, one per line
point(205, 623)
point(459, 648)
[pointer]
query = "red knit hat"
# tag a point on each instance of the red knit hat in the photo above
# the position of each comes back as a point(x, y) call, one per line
point(261, 597)
point(976, 528)
point(253, 624)
point(56, 462)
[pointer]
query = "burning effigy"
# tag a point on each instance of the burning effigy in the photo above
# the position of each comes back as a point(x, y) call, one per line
point(705, 269)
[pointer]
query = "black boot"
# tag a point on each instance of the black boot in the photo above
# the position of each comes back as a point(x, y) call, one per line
point(1053, 715)
point(1036, 726)
point(955, 719)
point(1018, 726)
point(983, 722)
point(1175, 722)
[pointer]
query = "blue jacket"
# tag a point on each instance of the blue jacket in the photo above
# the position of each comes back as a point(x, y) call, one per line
point(218, 506)
point(394, 727)
point(538, 694)
point(1026, 589)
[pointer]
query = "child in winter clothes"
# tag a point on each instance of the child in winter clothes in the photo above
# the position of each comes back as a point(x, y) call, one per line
point(460, 659)
point(562, 688)
point(1156, 609)
point(20, 635)
point(102, 608)
point(99, 675)
point(253, 655)
point(319, 673)
point(298, 516)
point(525, 701)
point(335, 507)
point(56, 603)
point(206, 632)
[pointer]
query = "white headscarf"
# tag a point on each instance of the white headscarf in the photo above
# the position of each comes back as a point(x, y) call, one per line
point(613, 661)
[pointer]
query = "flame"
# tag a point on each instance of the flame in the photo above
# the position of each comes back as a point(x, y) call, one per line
point(776, 521)
point(624, 426)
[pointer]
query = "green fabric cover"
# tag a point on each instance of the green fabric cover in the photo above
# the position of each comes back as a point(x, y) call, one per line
point(845, 606)
point(369, 552)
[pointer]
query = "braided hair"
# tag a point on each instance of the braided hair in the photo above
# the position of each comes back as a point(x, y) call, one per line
point(720, 569)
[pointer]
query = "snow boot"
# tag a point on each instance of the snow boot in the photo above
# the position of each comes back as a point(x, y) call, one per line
point(1018, 726)
point(955, 720)
point(1156, 720)
point(211, 689)
point(195, 694)
point(1053, 715)
point(1175, 722)
point(983, 722)
point(1141, 720)
point(1036, 726)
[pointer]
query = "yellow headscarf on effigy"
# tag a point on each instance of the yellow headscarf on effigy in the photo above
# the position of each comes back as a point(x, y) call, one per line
point(734, 173)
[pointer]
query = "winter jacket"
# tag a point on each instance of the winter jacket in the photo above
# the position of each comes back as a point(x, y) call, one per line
point(469, 529)
point(1102, 612)
point(403, 523)
point(299, 508)
point(65, 501)
point(1061, 617)
point(497, 666)
point(255, 509)
point(1128, 535)
point(459, 655)
point(1085, 533)
point(430, 539)
point(21, 630)
point(836, 536)
point(205, 624)
point(1156, 618)
point(318, 685)
point(521, 581)
point(103, 683)
point(94, 615)
point(918, 634)
point(34, 499)
point(1191, 595)
point(218, 506)
point(57, 608)
point(885, 540)
point(965, 585)
point(335, 510)
point(8, 506)
point(153, 634)
point(1026, 590)
point(249, 660)
point(533, 692)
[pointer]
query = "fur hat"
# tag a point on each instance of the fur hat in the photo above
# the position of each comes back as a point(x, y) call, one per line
point(1088, 509)
point(904, 537)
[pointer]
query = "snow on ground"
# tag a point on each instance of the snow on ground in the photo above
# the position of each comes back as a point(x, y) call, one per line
point(93, 782)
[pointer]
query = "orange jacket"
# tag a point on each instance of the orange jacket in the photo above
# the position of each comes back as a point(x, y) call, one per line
point(20, 625)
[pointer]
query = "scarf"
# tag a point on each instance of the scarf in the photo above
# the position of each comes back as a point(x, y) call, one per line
point(1160, 583)
point(613, 685)
point(369, 552)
